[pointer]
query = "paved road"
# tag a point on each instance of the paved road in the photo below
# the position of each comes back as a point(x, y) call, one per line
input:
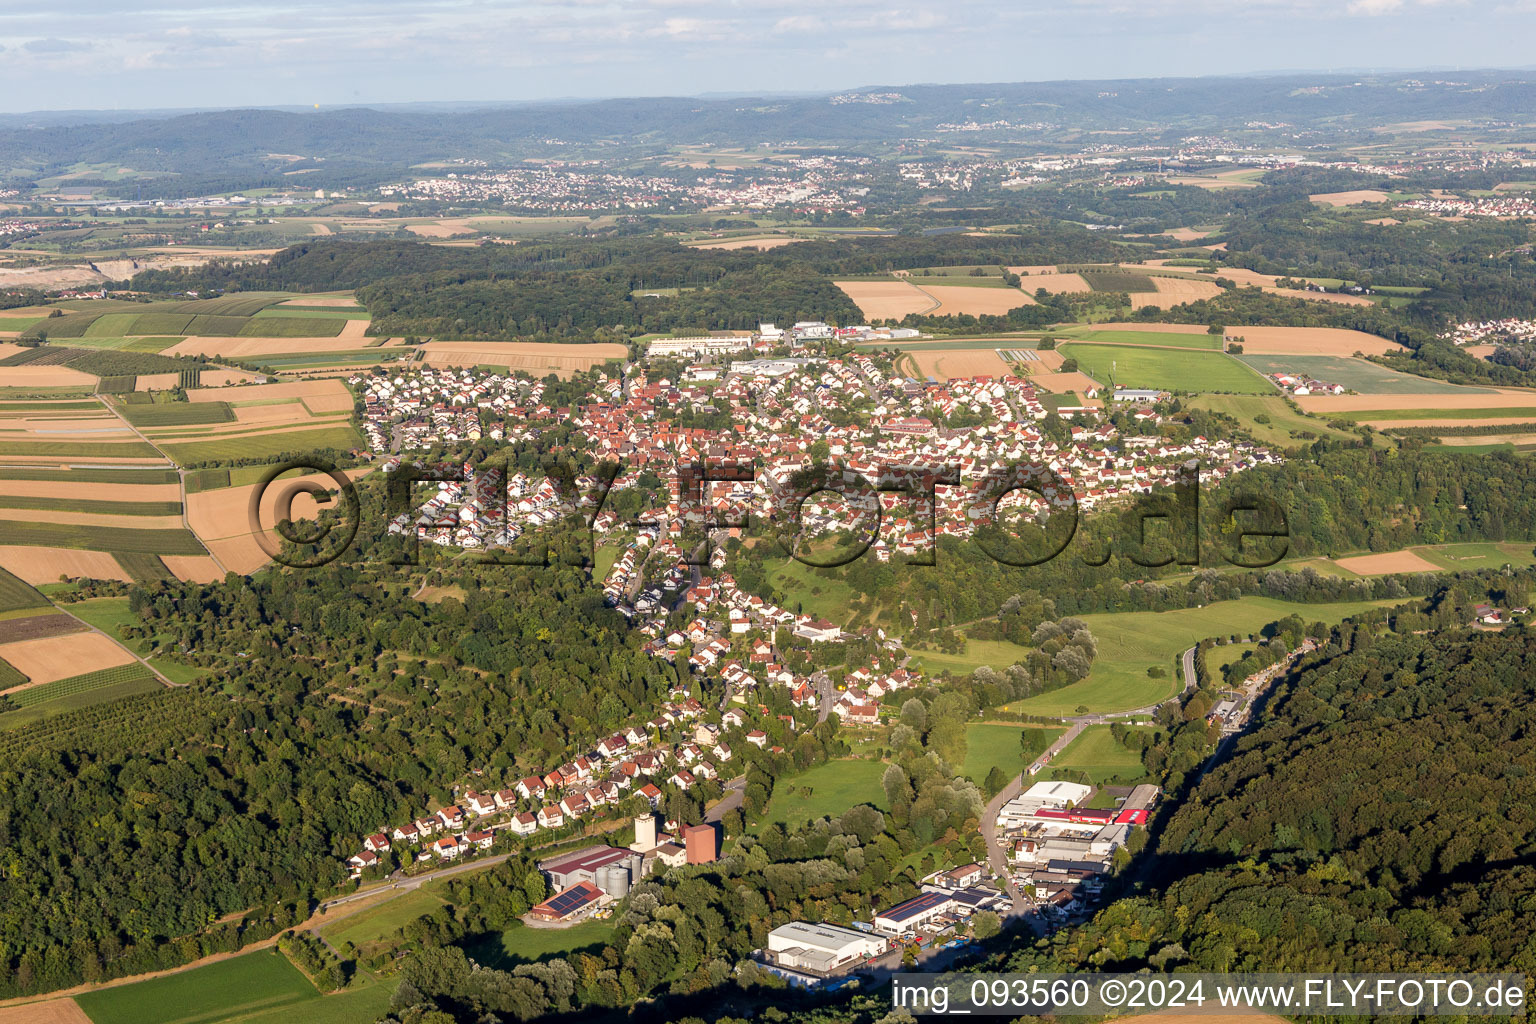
point(735, 790)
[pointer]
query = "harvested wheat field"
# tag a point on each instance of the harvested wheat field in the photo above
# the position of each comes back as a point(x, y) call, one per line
point(1354, 198)
point(1457, 421)
point(945, 364)
point(44, 377)
point(59, 657)
point(278, 412)
point(1385, 222)
point(1494, 399)
point(1480, 351)
point(886, 300)
point(240, 348)
point(746, 243)
point(1311, 341)
point(1032, 279)
point(1048, 360)
point(46, 565)
point(192, 569)
point(1186, 234)
point(1334, 297)
point(976, 301)
point(319, 395)
point(1387, 562)
point(156, 381)
point(99, 428)
point(48, 1011)
point(8, 348)
point(1062, 383)
point(353, 330)
point(531, 357)
point(1174, 291)
point(225, 378)
point(222, 518)
point(91, 491)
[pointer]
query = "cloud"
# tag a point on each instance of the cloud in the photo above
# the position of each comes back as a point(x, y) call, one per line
point(1374, 8)
point(54, 46)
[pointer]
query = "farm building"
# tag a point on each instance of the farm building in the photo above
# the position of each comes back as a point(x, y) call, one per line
point(602, 866)
point(569, 904)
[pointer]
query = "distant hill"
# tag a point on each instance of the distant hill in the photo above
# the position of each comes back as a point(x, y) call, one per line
point(250, 148)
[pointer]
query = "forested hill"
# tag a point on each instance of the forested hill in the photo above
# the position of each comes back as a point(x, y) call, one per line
point(1379, 819)
point(570, 288)
point(356, 145)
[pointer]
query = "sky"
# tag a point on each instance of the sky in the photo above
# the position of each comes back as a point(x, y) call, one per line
point(142, 54)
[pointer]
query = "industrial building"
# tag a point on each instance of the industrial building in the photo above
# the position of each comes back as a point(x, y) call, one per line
point(569, 904)
point(1041, 796)
point(609, 869)
point(821, 948)
point(912, 914)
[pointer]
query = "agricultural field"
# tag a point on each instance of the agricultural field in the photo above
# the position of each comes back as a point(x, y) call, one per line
point(257, 981)
point(42, 564)
point(60, 657)
point(1135, 366)
point(531, 357)
point(1191, 339)
point(1132, 642)
point(1356, 375)
point(887, 300)
point(1096, 758)
point(1301, 341)
point(1174, 291)
point(262, 445)
point(16, 594)
point(1464, 557)
point(977, 301)
point(833, 788)
point(98, 535)
point(1116, 279)
point(1054, 282)
point(221, 517)
point(965, 362)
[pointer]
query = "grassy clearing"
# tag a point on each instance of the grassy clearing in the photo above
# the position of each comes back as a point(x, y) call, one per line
point(1095, 754)
point(834, 787)
point(1286, 426)
point(1132, 366)
point(507, 949)
point(989, 745)
point(381, 920)
point(261, 446)
point(1132, 642)
point(997, 653)
point(263, 980)
point(365, 1000)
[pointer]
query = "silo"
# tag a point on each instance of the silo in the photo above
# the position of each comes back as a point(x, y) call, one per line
point(614, 880)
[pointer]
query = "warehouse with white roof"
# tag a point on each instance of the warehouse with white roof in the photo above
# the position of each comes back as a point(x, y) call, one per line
point(821, 948)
